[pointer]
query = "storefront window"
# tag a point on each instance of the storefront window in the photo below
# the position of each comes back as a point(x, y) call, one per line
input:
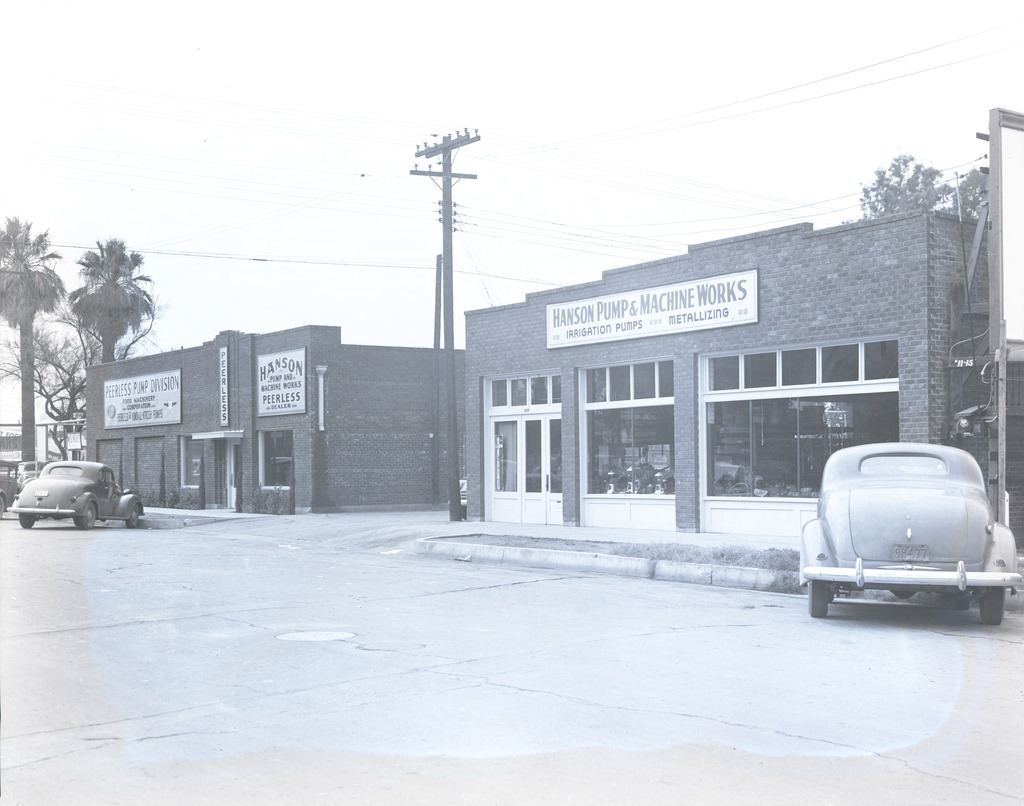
point(630, 448)
point(191, 462)
point(778, 447)
point(276, 456)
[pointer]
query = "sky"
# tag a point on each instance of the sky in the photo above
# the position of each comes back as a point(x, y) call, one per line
point(259, 154)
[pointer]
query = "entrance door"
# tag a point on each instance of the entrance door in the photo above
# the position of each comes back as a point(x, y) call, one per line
point(527, 469)
point(225, 463)
point(542, 489)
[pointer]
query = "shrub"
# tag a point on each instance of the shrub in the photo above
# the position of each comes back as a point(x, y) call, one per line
point(271, 500)
point(182, 499)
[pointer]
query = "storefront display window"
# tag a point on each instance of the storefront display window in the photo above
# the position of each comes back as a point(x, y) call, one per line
point(276, 459)
point(778, 447)
point(630, 448)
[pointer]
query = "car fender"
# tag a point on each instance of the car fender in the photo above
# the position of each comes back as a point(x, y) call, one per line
point(1001, 551)
point(816, 546)
point(83, 501)
point(126, 505)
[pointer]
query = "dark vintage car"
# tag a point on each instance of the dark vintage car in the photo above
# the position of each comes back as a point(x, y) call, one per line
point(907, 517)
point(8, 483)
point(83, 491)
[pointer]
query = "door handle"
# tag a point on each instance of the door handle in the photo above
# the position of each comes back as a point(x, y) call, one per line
point(547, 482)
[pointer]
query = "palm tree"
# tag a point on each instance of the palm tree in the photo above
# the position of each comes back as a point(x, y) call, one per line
point(29, 285)
point(113, 300)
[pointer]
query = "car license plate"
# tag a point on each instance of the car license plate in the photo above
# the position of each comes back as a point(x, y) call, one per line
point(42, 493)
point(910, 552)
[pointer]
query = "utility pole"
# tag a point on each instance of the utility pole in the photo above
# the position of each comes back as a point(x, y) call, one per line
point(444, 150)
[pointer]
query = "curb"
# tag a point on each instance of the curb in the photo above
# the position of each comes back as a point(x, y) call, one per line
point(727, 576)
point(176, 522)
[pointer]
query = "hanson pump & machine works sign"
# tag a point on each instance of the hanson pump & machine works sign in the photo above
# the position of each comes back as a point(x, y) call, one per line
point(281, 381)
point(729, 299)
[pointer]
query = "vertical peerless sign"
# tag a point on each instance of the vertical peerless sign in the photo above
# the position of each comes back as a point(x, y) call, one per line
point(729, 299)
point(143, 400)
point(281, 383)
point(222, 376)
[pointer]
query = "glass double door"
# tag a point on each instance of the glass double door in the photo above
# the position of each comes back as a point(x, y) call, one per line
point(526, 469)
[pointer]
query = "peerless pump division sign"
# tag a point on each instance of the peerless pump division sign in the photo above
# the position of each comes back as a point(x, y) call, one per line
point(723, 301)
point(143, 400)
point(281, 381)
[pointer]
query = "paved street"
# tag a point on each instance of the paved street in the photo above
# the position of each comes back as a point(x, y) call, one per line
point(319, 659)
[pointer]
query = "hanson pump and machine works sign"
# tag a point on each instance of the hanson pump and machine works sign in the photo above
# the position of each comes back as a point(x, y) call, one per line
point(143, 400)
point(729, 299)
point(281, 381)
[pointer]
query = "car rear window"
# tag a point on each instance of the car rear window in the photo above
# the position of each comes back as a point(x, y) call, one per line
point(65, 470)
point(903, 465)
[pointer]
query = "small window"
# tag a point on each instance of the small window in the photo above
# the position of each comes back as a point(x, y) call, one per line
point(556, 388)
point(881, 360)
point(725, 373)
point(597, 385)
point(519, 391)
point(759, 370)
point(539, 390)
point(839, 363)
point(499, 393)
point(643, 381)
point(619, 382)
point(799, 367)
point(666, 387)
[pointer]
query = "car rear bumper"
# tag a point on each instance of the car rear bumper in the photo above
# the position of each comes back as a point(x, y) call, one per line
point(912, 577)
point(42, 512)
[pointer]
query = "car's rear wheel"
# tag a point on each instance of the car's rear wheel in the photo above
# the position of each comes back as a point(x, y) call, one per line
point(132, 521)
point(27, 521)
point(819, 594)
point(992, 605)
point(88, 518)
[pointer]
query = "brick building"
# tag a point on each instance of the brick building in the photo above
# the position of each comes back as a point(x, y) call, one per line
point(704, 392)
point(287, 421)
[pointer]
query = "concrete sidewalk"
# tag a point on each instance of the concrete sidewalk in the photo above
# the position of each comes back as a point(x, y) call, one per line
point(433, 534)
point(436, 523)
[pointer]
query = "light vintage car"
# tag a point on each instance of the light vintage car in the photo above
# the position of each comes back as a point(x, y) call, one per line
point(84, 491)
point(907, 517)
